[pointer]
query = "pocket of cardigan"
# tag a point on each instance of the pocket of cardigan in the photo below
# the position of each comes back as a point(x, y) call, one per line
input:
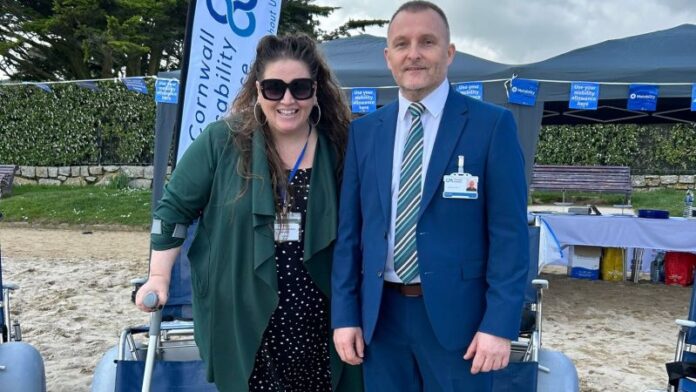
point(199, 258)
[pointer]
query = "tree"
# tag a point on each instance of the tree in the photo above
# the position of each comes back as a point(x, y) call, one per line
point(301, 16)
point(85, 39)
point(344, 29)
point(81, 39)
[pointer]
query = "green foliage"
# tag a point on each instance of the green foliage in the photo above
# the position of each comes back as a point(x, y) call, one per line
point(80, 205)
point(576, 197)
point(74, 125)
point(301, 16)
point(678, 147)
point(647, 149)
point(90, 205)
point(671, 200)
point(344, 30)
point(119, 181)
point(68, 39)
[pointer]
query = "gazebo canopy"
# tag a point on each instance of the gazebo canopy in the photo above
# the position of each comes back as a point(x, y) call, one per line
point(666, 58)
point(359, 62)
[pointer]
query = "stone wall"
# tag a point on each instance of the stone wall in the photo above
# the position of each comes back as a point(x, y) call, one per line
point(648, 182)
point(138, 176)
point(141, 177)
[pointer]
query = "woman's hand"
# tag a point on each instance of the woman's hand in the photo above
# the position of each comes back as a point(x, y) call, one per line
point(157, 284)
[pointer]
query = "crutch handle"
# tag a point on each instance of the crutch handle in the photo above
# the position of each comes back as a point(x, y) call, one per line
point(150, 300)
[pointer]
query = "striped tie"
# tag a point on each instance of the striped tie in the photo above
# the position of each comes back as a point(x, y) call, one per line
point(408, 205)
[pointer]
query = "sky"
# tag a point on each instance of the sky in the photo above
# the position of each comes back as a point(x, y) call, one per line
point(526, 31)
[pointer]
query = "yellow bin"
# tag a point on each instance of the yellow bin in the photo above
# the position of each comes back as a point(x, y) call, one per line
point(612, 267)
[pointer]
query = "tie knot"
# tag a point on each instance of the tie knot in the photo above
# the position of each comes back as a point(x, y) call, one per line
point(416, 109)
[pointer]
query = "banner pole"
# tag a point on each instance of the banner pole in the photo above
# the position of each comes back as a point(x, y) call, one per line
point(190, 15)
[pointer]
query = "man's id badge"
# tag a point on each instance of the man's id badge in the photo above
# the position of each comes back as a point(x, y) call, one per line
point(460, 185)
point(287, 227)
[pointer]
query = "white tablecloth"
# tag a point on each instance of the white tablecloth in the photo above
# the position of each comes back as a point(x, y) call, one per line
point(557, 231)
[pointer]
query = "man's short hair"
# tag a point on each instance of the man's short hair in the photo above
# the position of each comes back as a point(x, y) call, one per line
point(419, 6)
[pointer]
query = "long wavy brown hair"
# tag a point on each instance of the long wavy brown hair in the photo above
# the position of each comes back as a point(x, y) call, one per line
point(335, 114)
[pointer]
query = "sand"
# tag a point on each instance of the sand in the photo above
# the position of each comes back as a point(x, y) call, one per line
point(74, 295)
point(74, 299)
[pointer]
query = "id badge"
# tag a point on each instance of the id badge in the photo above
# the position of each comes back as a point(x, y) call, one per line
point(460, 186)
point(287, 227)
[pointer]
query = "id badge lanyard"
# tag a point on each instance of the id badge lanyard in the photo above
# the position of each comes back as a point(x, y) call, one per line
point(288, 224)
point(293, 172)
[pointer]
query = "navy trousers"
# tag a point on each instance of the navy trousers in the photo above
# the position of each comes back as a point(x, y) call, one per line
point(405, 356)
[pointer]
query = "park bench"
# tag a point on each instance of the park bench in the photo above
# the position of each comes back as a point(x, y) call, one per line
point(6, 178)
point(610, 179)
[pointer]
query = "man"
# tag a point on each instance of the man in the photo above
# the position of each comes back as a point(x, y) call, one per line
point(428, 276)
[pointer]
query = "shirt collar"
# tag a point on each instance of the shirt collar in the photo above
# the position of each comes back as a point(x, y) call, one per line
point(434, 102)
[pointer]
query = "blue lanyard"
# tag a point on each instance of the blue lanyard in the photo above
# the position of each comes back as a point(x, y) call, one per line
point(293, 172)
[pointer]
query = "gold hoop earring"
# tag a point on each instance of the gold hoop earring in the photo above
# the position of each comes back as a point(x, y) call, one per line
point(314, 124)
point(256, 117)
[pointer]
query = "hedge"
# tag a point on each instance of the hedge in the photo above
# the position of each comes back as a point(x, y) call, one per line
point(76, 126)
point(647, 149)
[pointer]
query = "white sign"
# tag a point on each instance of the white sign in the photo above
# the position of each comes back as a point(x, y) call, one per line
point(224, 35)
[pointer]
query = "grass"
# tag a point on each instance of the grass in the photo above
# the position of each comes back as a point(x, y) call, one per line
point(671, 200)
point(77, 205)
point(119, 205)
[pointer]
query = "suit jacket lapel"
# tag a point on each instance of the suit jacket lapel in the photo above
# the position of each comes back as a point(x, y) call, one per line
point(384, 136)
point(452, 125)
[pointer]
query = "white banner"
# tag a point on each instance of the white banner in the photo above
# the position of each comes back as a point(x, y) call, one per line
point(224, 35)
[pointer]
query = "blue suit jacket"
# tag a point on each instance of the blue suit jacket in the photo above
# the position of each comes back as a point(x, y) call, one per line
point(473, 254)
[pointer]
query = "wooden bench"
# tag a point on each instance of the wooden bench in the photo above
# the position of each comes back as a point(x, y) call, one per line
point(7, 173)
point(610, 179)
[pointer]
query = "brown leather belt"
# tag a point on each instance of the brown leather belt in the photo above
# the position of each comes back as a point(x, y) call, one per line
point(407, 290)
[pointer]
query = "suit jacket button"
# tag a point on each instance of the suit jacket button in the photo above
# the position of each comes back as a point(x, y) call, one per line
point(379, 274)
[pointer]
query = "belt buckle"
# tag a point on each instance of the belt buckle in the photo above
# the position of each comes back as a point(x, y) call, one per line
point(405, 290)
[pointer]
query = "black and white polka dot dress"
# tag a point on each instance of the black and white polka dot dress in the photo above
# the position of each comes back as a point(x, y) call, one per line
point(294, 352)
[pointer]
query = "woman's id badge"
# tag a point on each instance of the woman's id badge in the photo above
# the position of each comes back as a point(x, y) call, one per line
point(287, 227)
point(460, 185)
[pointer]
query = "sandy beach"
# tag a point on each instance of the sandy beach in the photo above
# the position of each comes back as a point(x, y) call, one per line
point(74, 298)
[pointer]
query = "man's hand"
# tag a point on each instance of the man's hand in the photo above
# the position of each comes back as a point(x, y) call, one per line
point(489, 353)
point(349, 344)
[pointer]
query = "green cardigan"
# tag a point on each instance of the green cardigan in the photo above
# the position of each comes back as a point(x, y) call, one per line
point(233, 269)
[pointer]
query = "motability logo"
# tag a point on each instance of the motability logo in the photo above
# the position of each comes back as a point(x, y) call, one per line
point(232, 7)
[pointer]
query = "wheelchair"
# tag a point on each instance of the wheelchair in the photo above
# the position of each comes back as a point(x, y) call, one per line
point(21, 365)
point(534, 368)
point(681, 373)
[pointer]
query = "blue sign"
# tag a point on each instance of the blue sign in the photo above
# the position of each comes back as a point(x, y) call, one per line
point(642, 97)
point(167, 91)
point(471, 89)
point(363, 100)
point(135, 84)
point(693, 97)
point(44, 87)
point(523, 92)
point(88, 84)
point(584, 95)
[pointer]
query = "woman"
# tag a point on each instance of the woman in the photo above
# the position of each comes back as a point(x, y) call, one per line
point(263, 182)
